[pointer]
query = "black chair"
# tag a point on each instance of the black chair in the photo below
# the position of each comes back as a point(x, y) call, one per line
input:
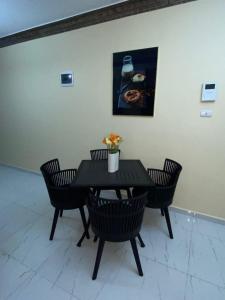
point(161, 195)
point(102, 154)
point(51, 167)
point(61, 195)
point(116, 221)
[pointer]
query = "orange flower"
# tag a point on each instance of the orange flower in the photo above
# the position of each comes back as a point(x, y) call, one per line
point(112, 140)
point(115, 138)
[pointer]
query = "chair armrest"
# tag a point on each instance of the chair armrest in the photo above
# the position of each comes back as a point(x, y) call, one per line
point(159, 177)
point(64, 177)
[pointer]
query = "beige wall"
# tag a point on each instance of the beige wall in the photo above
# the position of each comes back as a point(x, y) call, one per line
point(40, 120)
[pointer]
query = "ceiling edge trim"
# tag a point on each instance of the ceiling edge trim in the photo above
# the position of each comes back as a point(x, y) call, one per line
point(109, 13)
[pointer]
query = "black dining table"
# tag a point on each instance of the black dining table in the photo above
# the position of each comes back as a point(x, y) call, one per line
point(94, 173)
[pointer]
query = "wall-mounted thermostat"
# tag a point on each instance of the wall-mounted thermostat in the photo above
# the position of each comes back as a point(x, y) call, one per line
point(209, 91)
point(66, 78)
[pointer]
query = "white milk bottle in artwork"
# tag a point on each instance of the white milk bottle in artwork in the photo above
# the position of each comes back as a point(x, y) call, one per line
point(127, 68)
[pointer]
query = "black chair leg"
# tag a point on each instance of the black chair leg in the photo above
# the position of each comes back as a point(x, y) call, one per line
point(166, 211)
point(98, 258)
point(83, 235)
point(55, 219)
point(128, 193)
point(162, 212)
point(98, 191)
point(84, 221)
point(140, 240)
point(61, 213)
point(136, 256)
point(118, 194)
point(95, 238)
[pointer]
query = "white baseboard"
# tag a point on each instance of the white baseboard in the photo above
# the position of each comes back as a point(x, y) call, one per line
point(20, 168)
point(198, 215)
point(192, 213)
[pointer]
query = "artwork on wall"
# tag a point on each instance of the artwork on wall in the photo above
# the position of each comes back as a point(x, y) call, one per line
point(134, 80)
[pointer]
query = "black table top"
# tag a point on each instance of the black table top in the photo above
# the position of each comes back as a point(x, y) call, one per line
point(94, 173)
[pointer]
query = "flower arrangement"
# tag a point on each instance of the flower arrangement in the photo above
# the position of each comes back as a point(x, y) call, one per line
point(112, 142)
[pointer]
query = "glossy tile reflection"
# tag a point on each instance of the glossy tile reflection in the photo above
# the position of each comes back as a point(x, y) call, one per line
point(189, 267)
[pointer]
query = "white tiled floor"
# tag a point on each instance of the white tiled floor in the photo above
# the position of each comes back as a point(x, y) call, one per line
point(190, 267)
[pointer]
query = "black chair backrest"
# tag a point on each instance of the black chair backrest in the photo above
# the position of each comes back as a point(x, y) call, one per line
point(99, 154)
point(63, 178)
point(172, 167)
point(159, 177)
point(61, 194)
point(48, 168)
point(165, 184)
point(116, 220)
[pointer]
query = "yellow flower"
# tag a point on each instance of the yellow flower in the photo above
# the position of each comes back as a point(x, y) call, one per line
point(108, 141)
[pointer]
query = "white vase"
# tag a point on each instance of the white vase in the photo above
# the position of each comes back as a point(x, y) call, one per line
point(113, 162)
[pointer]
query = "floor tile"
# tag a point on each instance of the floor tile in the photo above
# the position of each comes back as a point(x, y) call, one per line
point(207, 259)
point(13, 218)
point(70, 268)
point(158, 283)
point(31, 245)
point(159, 246)
point(37, 288)
point(12, 275)
point(197, 289)
point(189, 267)
point(211, 229)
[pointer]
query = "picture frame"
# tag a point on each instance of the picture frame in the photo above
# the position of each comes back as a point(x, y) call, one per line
point(134, 82)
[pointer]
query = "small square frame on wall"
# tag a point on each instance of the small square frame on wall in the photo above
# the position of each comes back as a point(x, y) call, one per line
point(134, 82)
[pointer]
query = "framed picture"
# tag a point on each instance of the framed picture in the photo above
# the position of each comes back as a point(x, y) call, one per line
point(134, 80)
